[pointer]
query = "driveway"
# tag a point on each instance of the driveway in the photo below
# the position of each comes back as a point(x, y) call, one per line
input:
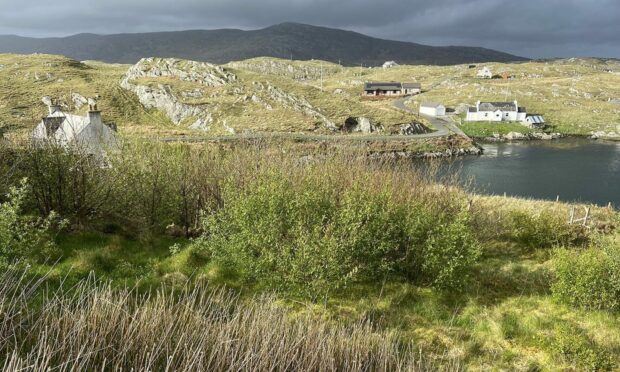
point(443, 126)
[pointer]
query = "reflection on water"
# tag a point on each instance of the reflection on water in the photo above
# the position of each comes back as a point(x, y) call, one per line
point(573, 169)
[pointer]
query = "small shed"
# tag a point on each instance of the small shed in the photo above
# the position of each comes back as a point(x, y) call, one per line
point(534, 121)
point(432, 109)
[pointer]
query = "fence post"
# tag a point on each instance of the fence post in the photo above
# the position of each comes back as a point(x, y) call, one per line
point(585, 220)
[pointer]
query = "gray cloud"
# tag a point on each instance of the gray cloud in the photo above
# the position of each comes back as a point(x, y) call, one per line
point(534, 28)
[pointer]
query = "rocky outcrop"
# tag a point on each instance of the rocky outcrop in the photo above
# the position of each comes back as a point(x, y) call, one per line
point(412, 129)
point(162, 97)
point(297, 104)
point(360, 125)
point(78, 100)
point(197, 72)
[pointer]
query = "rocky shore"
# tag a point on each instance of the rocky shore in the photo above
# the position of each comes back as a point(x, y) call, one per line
point(448, 153)
point(516, 136)
point(610, 136)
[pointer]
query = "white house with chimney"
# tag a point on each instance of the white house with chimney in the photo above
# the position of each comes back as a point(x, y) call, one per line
point(496, 111)
point(503, 111)
point(88, 134)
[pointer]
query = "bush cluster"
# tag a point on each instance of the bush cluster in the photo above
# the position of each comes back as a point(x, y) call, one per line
point(589, 278)
point(543, 230)
point(305, 234)
point(24, 237)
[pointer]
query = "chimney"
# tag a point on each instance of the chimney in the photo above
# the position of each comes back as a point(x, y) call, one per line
point(53, 107)
point(94, 116)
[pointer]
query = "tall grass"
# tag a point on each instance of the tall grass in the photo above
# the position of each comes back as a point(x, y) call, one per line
point(93, 327)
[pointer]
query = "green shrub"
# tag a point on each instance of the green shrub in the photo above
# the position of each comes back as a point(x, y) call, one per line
point(305, 236)
point(589, 279)
point(544, 230)
point(22, 237)
point(573, 345)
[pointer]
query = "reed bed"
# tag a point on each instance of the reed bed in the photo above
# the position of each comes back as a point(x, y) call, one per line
point(92, 326)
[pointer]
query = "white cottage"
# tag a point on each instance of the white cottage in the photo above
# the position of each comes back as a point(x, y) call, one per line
point(432, 109)
point(496, 111)
point(485, 73)
point(88, 134)
point(389, 64)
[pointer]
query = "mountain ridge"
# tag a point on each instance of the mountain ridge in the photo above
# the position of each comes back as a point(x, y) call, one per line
point(284, 40)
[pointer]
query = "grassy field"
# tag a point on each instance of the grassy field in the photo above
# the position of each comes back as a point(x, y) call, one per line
point(485, 129)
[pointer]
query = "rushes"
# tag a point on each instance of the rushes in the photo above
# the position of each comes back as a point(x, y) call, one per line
point(92, 326)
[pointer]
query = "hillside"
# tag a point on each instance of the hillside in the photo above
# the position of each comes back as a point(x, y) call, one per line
point(165, 97)
point(287, 40)
point(171, 97)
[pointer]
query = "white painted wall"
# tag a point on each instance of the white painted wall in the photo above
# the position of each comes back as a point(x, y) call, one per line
point(433, 111)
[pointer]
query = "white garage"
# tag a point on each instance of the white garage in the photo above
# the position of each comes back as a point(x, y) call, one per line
point(432, 109)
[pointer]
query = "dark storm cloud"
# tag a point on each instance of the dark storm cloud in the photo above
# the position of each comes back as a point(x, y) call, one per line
point(536, 28)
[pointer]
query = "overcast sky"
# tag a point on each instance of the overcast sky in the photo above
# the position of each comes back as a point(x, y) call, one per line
point(531, 28)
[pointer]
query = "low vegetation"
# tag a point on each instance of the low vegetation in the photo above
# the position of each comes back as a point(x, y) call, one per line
point(486, 130)
point(331, 260)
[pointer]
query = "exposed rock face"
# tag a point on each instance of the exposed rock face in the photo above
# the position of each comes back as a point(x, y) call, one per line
point(411, 129)
point(201, 116)
point(78, 100)
point(361, 124)
point(162, 97)
point(197, 72)
point(298, 104)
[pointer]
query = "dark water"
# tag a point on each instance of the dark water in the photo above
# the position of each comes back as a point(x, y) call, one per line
point(575, 169)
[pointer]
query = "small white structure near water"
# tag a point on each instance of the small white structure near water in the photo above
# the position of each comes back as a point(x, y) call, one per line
point(87, 134)
point(485, 73)
point(503, 111)
point(432, 109)
point(496, 111)
point(534, 121)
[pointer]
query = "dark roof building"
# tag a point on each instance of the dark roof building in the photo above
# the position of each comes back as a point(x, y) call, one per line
point(383, 86)
point(498, 106)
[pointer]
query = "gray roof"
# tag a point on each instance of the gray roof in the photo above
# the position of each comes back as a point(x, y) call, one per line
point(431, 104)
point(494, 106)
point(536, 119)
point(383, 86)
point(412, 86)
point(472, 109)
